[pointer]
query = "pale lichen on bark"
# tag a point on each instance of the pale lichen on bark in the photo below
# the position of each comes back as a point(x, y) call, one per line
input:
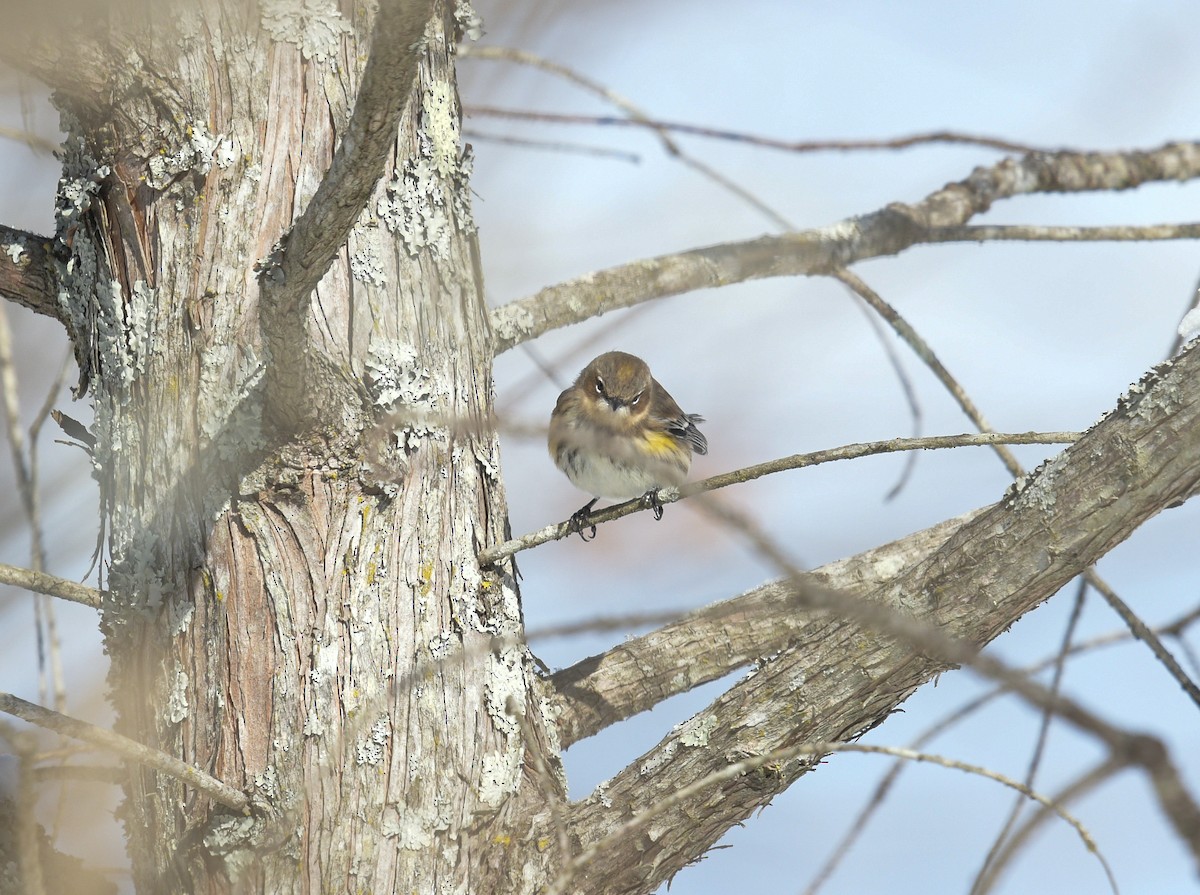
point(315, 26)
point(428, 200)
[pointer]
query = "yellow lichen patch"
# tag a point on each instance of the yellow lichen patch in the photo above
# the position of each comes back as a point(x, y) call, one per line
point(370, 573)
point(502, 839)
point(426, 579)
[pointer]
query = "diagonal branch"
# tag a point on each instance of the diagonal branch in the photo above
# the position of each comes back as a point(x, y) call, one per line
point(888, 231)
point(841, 676)
point(129, 749)
point(307, 250)
point(27, 273)
point(43, 583)
point(813, 750)
point(709, 643)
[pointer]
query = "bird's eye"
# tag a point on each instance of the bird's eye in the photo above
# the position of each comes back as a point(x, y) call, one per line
point(599, 386)
point(637, 400)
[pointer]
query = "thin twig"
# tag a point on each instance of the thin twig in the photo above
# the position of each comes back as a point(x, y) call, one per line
point(906, 388)
point(77, 773)
point(1015, 469)
point(10, 403)
point(815, 751)
point(665, 496)
point(30, 139)
point(606, 152)
point(925, 352)
point(1082, 785)
point(1039, 747)
point(601, 623)
point(1143, 633)
point(712, 133)
point(635, 113)
point(126, 748)
point(856, 827)
point(46, 606)
point(1030, 233)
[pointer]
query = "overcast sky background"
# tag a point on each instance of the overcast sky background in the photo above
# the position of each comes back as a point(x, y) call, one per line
point(1042, 336)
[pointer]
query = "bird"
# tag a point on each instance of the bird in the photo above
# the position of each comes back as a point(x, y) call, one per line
point(618, 434)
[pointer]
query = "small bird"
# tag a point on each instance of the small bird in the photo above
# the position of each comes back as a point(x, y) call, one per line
point(617, 433)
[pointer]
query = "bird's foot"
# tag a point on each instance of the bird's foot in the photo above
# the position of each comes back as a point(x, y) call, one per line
point(580, 521)
point(650, 499)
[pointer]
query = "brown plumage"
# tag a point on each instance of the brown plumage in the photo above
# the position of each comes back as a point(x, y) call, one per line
point(617, 433)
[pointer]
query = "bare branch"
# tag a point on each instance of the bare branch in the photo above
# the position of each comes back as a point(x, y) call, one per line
point(840, 677)
point(856, 826)
point(492, 555)
point(888, 231)
point(27, 272)
point(812, 751)
point(1081, 786)
point(126, 748)
point(306, 251)
point(714, 133)
point(524, 57)
point(709, 643)
point(925, 352)
point(28, 848)
point(1142, 632)
point(40, 582)
point(1029, 233)
point(1039, 748)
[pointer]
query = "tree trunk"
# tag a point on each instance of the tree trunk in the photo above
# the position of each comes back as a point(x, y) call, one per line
point(301, 615)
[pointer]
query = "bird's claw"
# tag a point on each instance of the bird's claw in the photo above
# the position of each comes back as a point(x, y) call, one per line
point(580, 521)
point(650, 499)
point(579, 524)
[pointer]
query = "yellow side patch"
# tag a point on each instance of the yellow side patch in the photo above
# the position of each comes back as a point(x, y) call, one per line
point(662, 444)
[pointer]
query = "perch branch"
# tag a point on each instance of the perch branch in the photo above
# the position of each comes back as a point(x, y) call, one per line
point(555, 532)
